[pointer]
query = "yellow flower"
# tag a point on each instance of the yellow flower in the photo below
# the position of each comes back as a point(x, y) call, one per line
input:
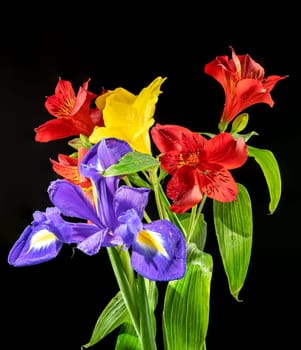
point(127, 116)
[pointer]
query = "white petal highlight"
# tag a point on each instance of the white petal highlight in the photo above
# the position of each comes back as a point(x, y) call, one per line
point(42, 239)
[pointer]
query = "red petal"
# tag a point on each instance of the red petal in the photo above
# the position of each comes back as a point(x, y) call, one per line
point(61, 103)
point(168, 137)
point(55, 129)
point(68, 172)
point(176, 138)
point(184, 190)
point(219, 185)
point(224, 150)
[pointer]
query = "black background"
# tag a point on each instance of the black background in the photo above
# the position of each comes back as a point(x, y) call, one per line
point(56, 304)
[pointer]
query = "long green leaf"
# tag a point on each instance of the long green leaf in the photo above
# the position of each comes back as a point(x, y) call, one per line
point(127, 338)
point(130, 163)
point(234, 229)
point(186, 304)
point(271, 172)
point(114, 314)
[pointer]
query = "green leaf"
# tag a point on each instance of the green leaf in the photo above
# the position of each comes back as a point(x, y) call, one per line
point(114, 314)
point(85, 141)
point(136, 180)
point(146, 304)
point(75, 143)
point(127, 338)
point(246, 137)
point(234, 229)
point(271, 172)
point(186, 304)
point(199, 234)
point(130, 163)
point(81, 141)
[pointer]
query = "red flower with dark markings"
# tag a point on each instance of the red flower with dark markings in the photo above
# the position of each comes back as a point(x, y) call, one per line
point(68, 168)
point(198, 166)
point(73, 113)
point(243, 82)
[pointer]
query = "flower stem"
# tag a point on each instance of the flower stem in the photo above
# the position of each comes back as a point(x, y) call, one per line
point(155, 185)
point(127, 289)
point(146, 325)
point(163, 203)
point(195, 213)
point(135, 298)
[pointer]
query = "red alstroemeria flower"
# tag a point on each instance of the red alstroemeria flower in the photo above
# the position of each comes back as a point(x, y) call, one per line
point(243, 82)
point(68, 168)
point(198, 166)
point(73, 113)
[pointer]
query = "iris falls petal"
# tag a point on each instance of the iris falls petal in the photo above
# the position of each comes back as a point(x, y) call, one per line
point(38, 242)
point(159, 252)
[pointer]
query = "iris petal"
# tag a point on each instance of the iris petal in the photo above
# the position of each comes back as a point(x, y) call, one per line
point(102, 155)
point(129, 226)
point(151, 240)
point(93, 243)
point(130, 197)
point(159, 252)
point(38, 242)
point(71, 200)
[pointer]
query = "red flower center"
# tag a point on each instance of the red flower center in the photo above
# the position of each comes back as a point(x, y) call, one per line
point(190, 159)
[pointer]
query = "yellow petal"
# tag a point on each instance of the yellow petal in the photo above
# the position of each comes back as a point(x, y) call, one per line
point(147, 99)
point(128, 117)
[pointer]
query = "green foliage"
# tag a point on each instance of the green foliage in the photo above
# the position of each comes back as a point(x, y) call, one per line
point(186, 304)
point(132, 163)
point(114, 314)
point(270, 168)
point(234, 231)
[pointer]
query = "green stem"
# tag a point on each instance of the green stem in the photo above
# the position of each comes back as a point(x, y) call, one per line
point(171, 215)
point(163, 203)
point(192, 221)
point(146, 325)
point(195, 213)
point(155, 184)
point(127, 288)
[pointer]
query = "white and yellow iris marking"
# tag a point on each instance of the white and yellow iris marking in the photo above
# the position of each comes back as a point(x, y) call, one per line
point(42, 239)
point(151, 240)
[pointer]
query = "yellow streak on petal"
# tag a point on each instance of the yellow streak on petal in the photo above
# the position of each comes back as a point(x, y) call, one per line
point(145, 238)
point(41, 239)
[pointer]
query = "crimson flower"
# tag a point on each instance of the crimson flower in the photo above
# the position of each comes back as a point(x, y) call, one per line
point(73, 113)
point(198, 166)
point(243, 82)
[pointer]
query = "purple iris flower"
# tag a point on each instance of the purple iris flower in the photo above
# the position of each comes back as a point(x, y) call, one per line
point(158, 249)
point(41, 240)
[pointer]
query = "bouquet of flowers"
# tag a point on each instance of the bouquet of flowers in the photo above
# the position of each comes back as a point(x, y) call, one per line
point(121, 160)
